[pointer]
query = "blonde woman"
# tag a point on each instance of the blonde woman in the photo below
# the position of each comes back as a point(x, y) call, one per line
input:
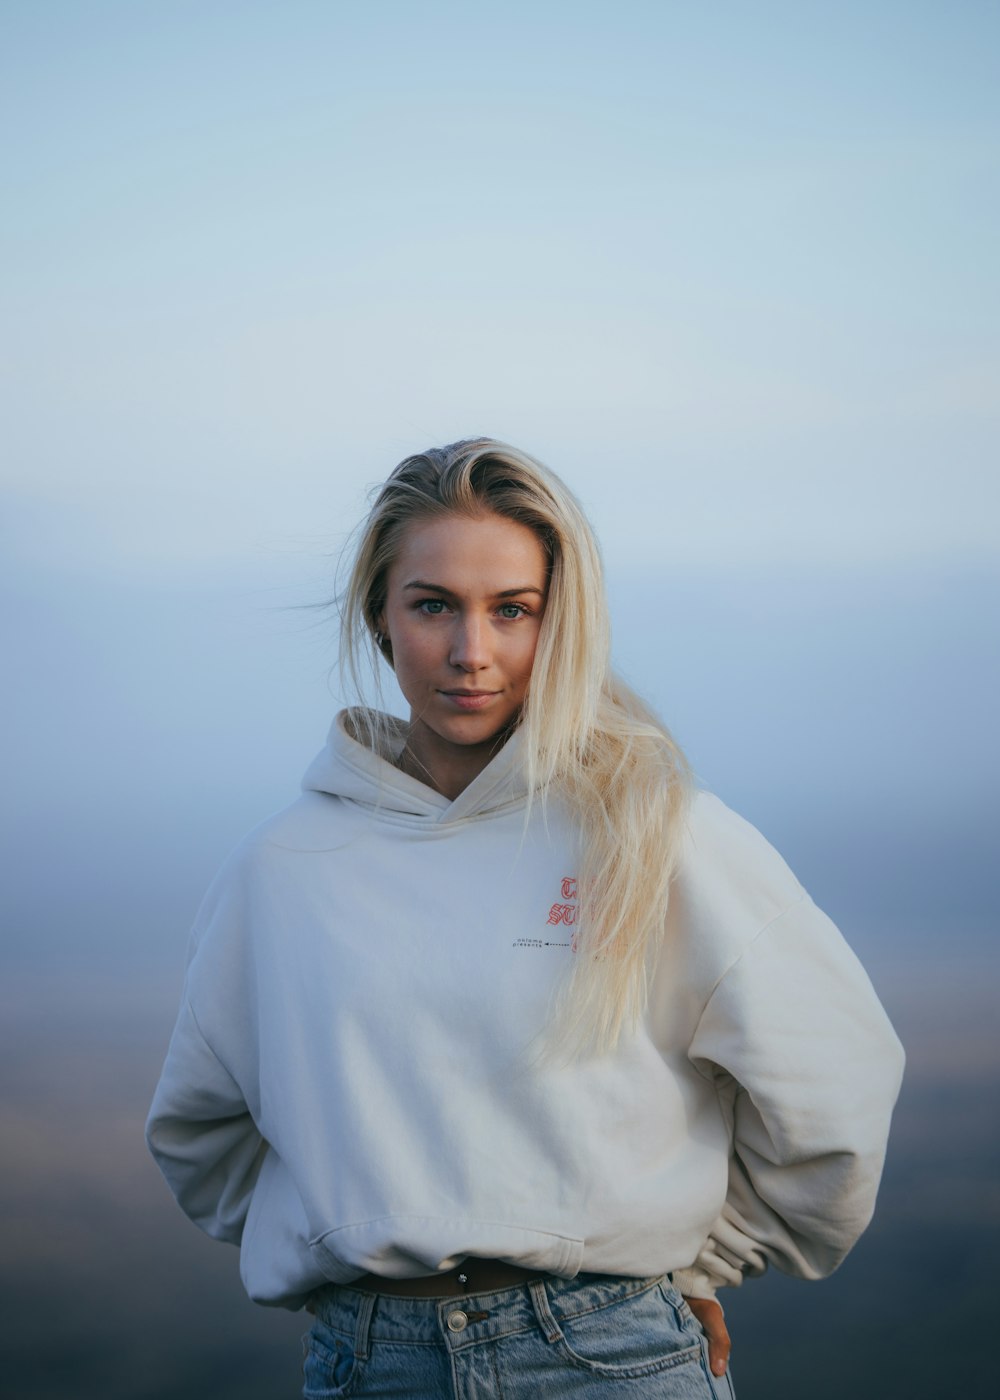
point(502, 1048)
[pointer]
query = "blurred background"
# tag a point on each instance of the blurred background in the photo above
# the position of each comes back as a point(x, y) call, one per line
point(731, 270)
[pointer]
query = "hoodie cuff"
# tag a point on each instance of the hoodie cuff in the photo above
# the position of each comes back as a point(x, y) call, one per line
point(693, 1283)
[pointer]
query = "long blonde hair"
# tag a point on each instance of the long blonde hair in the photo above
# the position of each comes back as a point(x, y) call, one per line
point(585, 733)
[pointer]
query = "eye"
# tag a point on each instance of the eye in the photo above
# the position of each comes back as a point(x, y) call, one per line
point(432, 607)
point(512, 610)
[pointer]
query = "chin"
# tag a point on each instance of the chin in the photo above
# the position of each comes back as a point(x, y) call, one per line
point(470, 734)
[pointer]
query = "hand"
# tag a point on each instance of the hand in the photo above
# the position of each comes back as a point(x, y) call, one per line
point(709, 1313)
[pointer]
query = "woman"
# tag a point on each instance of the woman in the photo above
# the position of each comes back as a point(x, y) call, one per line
point(501, 1049)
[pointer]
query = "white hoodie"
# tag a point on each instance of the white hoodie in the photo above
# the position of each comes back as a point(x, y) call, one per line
point(352, 1084)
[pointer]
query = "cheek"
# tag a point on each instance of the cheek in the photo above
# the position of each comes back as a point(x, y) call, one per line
point(526, 660)
point(413, 652)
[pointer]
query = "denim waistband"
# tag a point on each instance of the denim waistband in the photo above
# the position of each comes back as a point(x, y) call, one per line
point(469, 1318)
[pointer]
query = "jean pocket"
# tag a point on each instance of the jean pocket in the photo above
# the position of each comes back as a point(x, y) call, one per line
point(632, 1336)
point(721, 1386)
point(330, 1367)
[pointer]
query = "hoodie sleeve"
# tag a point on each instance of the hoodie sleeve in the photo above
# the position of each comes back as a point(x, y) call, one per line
point(202, 1126)
point(202, 1134)
point(806, 1062)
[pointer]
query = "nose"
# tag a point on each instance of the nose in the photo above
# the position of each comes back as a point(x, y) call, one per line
point(470, 646)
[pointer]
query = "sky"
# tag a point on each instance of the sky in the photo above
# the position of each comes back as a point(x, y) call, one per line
point(733, 262)
point(729, 268)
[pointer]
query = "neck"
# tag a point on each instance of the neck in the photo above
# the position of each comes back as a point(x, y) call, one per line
point(447, 769)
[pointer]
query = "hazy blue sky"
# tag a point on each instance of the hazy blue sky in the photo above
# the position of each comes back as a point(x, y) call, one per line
point(732, 263)
point(729, 268)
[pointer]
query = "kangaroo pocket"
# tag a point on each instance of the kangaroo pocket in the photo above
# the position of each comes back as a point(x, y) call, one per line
point(406, 1246)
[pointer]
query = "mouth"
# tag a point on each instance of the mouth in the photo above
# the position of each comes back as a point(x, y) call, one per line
point(469, 699)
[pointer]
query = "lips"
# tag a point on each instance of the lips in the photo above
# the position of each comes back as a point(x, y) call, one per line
point(469, 699)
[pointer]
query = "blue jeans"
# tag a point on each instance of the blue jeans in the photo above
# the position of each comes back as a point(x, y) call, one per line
point(595, 1335)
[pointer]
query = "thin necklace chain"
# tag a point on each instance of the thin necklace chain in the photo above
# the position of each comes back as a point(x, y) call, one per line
point(407, 753)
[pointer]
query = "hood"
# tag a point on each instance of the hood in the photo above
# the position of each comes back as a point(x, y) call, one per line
point(349, 769)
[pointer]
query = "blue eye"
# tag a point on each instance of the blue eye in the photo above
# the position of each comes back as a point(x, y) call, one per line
point(432, 606)
point(512, 610)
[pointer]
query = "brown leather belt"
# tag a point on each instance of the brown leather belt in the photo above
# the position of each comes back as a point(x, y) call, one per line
point(471, 1276)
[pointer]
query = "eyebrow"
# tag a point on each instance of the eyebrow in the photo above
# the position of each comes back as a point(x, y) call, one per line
point(439, 588)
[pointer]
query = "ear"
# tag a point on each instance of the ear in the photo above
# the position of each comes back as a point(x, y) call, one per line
point(382, 638)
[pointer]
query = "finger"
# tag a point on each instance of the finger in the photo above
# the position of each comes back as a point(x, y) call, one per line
point(713, 1323)
point(719, 1345)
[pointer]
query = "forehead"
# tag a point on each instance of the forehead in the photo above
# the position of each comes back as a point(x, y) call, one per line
point(485, 551)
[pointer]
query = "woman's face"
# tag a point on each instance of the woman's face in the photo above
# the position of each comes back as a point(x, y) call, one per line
point(464, 605)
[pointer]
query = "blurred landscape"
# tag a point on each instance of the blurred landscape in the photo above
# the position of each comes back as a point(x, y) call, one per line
point(107, 1291)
